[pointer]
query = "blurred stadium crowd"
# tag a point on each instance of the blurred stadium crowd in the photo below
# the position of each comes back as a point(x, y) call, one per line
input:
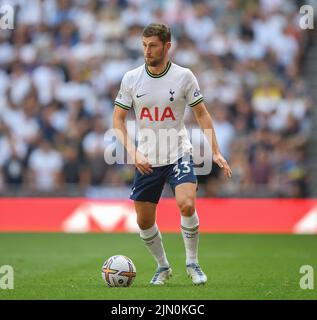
point(61, 67)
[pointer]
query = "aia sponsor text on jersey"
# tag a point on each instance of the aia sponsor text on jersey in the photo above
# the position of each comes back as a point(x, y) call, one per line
point(156, 114)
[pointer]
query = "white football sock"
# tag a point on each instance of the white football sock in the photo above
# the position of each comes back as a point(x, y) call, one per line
point(153, 240)
point(190, 232)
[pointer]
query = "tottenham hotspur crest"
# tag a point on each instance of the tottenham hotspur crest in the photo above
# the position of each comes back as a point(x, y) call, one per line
point(172, 93)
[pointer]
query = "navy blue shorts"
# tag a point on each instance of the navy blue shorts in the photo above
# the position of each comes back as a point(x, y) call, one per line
point(149, 187)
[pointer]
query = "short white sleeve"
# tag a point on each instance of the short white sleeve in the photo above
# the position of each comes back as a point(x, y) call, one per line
point(192, 93)
point(124, 97)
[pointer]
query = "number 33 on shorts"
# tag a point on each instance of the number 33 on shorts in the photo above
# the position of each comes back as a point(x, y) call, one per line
point(181, 169)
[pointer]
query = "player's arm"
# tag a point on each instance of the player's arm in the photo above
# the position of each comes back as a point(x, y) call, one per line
point(205, 122)
point(141, 162)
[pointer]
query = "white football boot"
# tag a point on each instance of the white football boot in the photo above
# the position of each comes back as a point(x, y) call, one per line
point(161, 275)
point(196, 274)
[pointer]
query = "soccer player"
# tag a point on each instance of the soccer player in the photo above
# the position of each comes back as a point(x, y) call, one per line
point(159, 91)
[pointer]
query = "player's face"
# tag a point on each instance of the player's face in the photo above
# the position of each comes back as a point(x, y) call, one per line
point(154, 50)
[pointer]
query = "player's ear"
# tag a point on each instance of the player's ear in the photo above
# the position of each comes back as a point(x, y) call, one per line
point(167, 46)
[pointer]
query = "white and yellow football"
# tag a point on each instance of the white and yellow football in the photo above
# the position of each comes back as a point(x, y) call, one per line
point(118, 271)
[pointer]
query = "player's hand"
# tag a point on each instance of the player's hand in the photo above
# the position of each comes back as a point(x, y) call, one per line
point(142, 164)
point(222, 163)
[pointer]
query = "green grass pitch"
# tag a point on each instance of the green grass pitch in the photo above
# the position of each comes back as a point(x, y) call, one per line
point(68, 266)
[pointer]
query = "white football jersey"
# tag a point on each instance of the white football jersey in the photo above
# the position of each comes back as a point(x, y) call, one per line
point(159, 102)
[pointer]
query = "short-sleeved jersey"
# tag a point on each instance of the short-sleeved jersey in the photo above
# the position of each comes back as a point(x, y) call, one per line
point(159, 102)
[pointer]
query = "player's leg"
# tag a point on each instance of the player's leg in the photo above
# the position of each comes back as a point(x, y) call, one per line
point(185, 195)
point(183, 181)
point(150, 234)
point(146, 192)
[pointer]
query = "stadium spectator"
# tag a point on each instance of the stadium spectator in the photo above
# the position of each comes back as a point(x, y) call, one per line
point(94, 148)
point(45, 167)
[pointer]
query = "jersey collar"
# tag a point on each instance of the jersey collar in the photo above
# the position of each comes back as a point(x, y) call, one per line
point(163, 73)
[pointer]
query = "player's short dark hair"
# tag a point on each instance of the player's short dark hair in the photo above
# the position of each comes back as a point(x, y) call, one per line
point(160, 30)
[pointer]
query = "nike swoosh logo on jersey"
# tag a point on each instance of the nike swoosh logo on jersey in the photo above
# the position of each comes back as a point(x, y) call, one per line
point(181, 177)
point(141, 95)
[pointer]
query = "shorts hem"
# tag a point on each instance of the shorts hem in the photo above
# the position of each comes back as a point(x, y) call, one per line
point(145, 200)
point(174, 186)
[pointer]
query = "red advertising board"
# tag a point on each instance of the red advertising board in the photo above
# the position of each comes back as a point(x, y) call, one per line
point(216, 215)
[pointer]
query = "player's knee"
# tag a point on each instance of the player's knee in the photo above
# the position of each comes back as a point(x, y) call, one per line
point(187, 207)
point(145, 223)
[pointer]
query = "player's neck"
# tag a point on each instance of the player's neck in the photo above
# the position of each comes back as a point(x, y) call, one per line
point(160, 68)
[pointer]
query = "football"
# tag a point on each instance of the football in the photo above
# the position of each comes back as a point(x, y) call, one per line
point(118, 271)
